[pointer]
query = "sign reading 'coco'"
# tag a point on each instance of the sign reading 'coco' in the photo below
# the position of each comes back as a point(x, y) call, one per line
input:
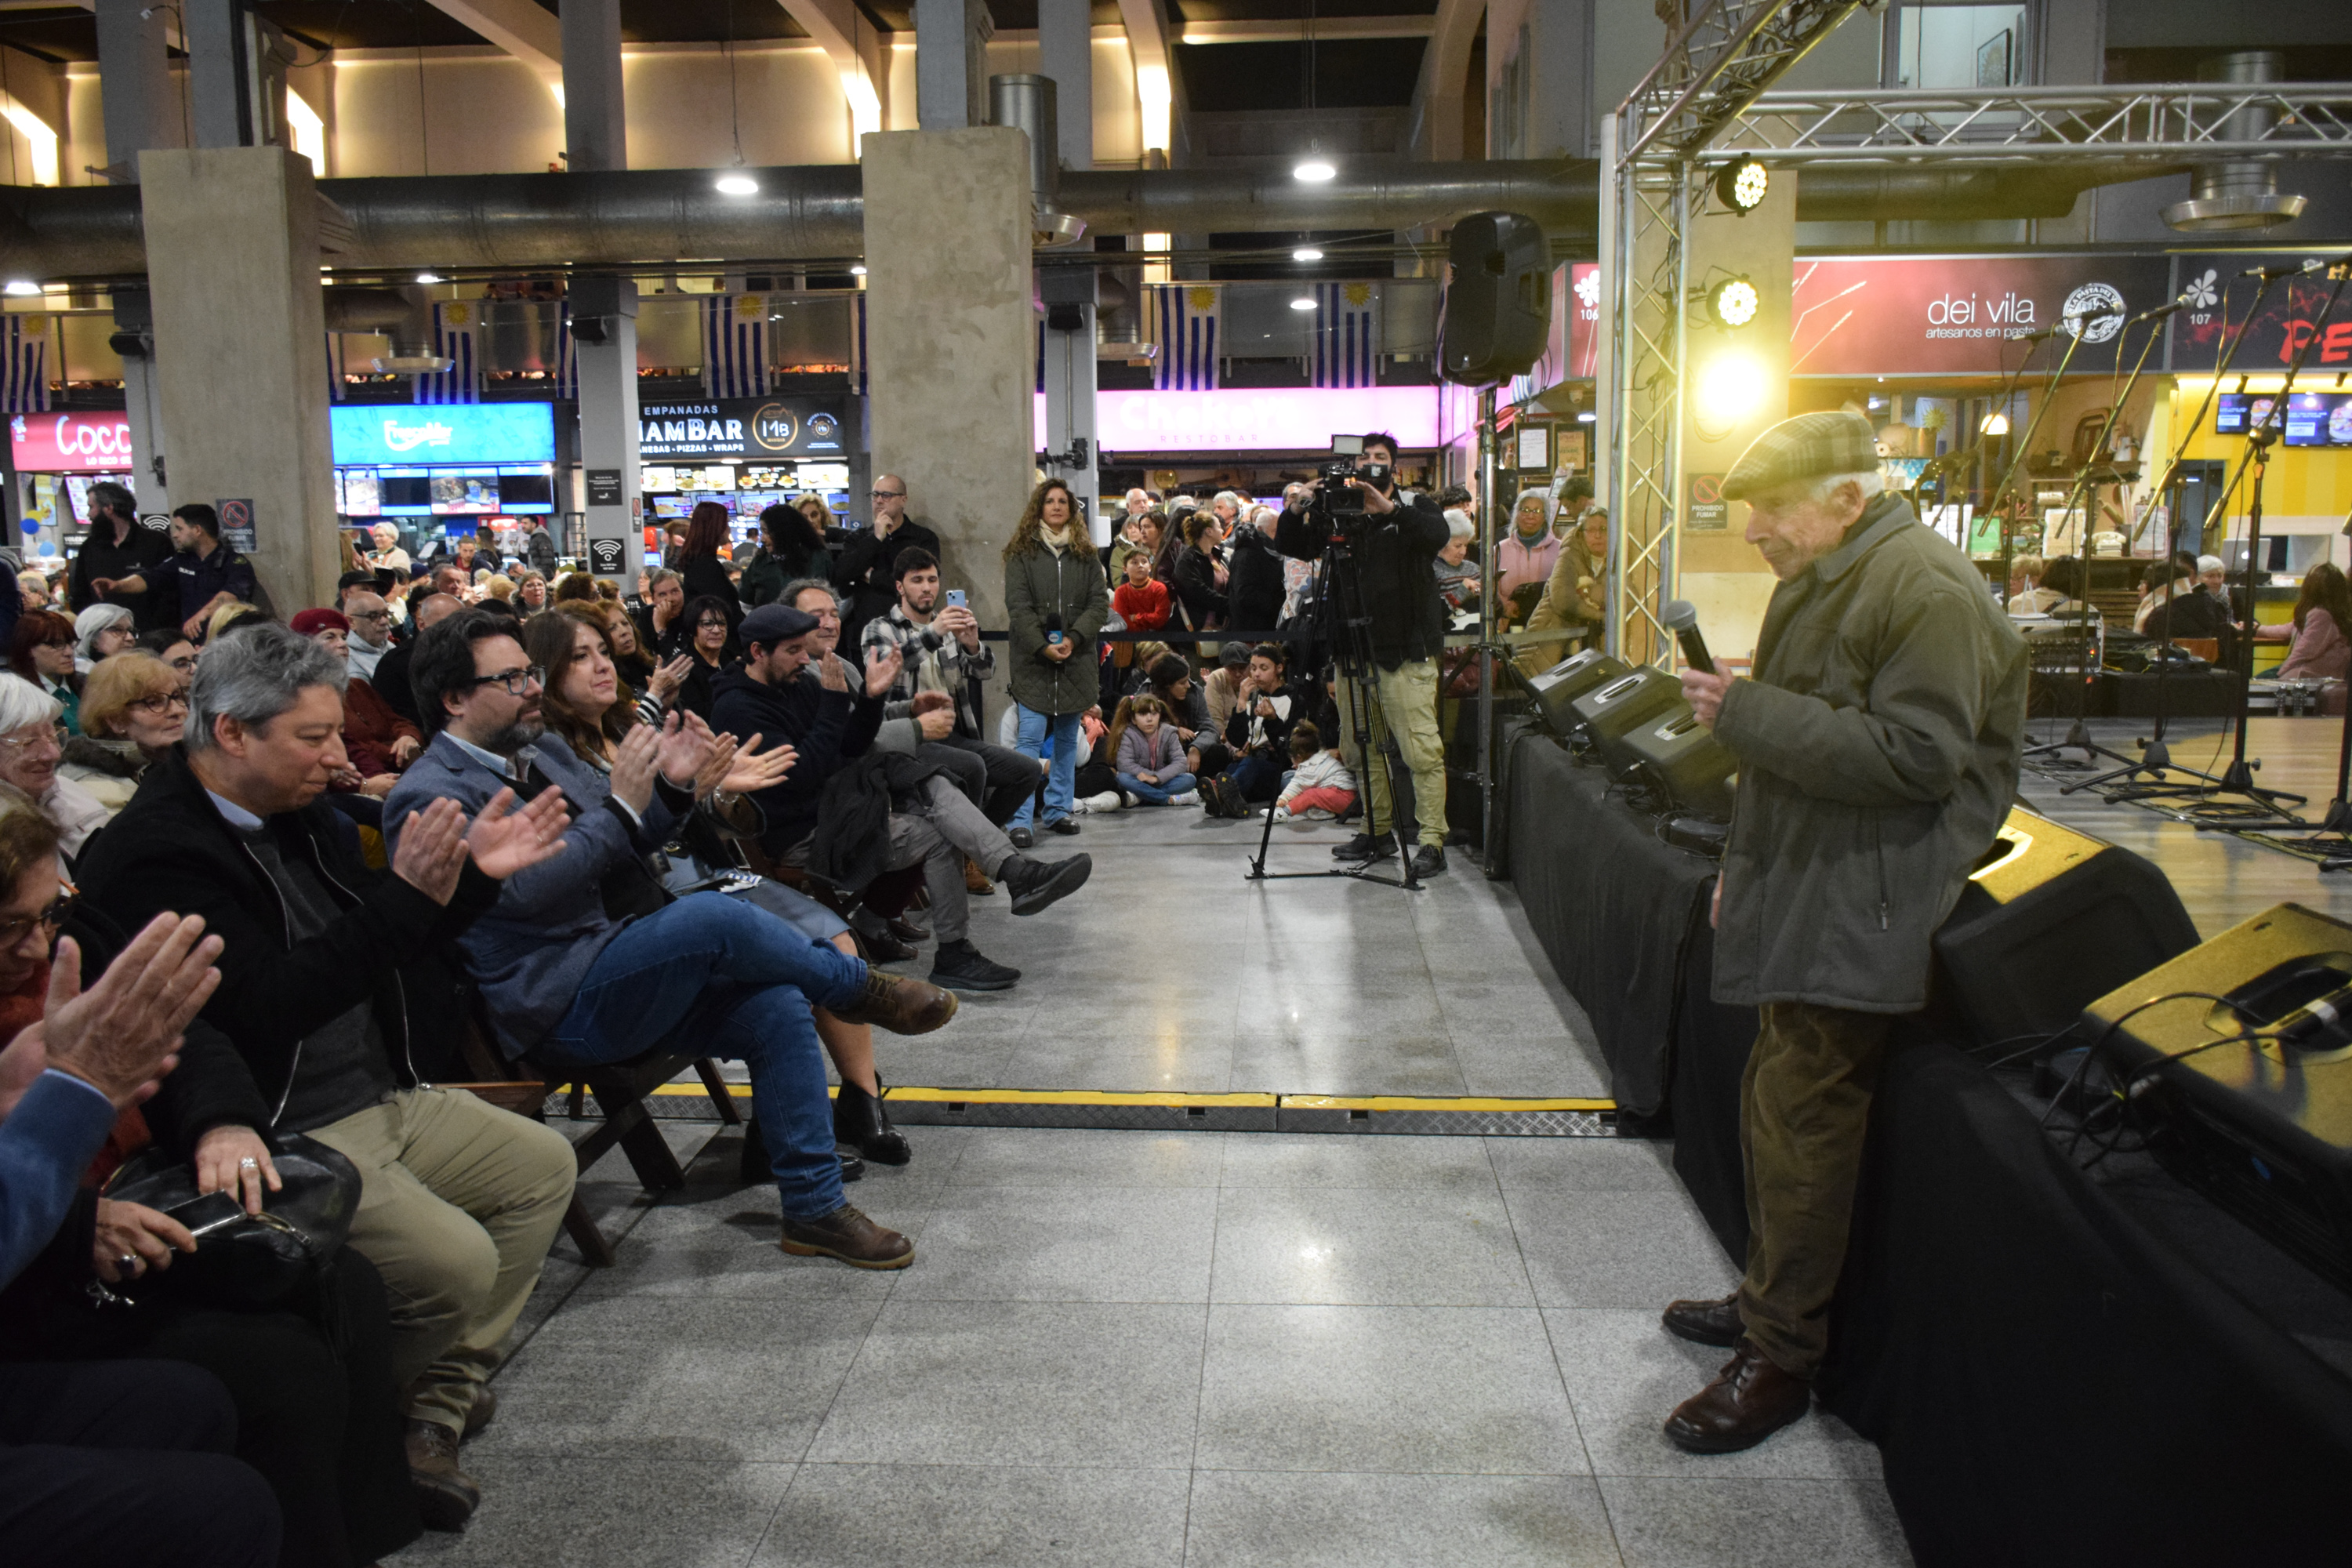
point(70, 443)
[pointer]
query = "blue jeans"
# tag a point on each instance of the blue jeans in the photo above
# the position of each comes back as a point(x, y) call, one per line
point(737, 981)
point(1258, 775)
point(1062, 729)
point(1170, 786)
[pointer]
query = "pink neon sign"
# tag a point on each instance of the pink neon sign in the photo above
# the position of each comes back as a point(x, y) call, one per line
point(1286, 419)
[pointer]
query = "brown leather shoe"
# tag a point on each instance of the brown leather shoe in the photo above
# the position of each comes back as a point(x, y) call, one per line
point(900, 1004)
point(1748, 1401)
point(1706, 1322)
point(850, 1236)
point(446, 1496)
point(975, 881)
point(485, 1410)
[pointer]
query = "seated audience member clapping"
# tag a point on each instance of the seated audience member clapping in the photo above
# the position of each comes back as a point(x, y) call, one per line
point(377, 741)
point(135, 708)
point(1258, 735)
point(589, 711)
point(112, 1461)
point(584, 959)
point(330, 995)
point(318, 1421)
point(30, 752)
point(832, 715)
point(1148, 754)
point(1321, 784)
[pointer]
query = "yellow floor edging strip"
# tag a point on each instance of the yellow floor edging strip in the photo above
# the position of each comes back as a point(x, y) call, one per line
point(1465, 1103)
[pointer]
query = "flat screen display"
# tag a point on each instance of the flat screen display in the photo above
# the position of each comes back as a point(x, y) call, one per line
point(525, 492)
point(403, 493)
point(2319, 419)
point(361, 497)
point(673, 506)
point(466, 491)
point(2230, 413)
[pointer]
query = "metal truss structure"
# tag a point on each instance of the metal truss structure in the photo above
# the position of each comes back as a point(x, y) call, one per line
point(1708, 98)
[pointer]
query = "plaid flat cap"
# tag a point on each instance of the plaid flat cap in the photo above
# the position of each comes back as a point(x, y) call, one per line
point(1805, 448)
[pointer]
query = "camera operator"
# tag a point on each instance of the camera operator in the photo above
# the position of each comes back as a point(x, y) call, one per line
point(1393, 539)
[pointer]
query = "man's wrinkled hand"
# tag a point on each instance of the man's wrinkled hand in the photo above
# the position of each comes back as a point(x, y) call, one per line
point(120, 1035)
point(1705, 693)
point(504, 839)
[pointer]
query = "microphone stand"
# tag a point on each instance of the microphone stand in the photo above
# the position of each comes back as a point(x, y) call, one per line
point(2078, 735)
point(2155, 754)
point(2237, 778)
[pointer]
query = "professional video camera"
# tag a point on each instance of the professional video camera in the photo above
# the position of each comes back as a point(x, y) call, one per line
point(1337, 501)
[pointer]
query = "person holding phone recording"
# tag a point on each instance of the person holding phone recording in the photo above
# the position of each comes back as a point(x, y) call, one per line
point(940, 656)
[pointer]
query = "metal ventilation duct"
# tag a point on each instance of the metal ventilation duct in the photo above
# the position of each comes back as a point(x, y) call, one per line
point(2242, 193)
point(1027, 103)
point(664, 218)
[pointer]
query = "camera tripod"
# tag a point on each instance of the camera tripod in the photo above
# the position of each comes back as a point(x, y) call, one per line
point(1347, 626)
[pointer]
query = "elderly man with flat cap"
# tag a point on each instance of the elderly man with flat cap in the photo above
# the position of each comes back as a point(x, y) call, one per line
point(1878, 741)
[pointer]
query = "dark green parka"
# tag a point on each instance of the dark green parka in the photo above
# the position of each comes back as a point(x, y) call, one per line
point(1041, 581)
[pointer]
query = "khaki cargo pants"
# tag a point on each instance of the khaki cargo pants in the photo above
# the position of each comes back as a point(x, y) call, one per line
point(1408, 704)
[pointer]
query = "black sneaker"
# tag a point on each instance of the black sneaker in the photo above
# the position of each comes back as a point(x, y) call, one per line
point(1428, 861)
point(1063, 824)
point(1038, 883)
point(963, 967)
point(1023, 839)
point(1364, 848)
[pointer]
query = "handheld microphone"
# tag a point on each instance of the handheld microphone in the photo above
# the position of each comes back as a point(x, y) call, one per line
point(1682, 618)
point(2273, 274)
point(2160, 312)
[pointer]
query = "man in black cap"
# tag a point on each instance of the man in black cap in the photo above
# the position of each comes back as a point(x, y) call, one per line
point(831, 715)
point(1878, 741)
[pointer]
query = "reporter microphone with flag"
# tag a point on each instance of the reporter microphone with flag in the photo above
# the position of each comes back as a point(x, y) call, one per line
point(1681, 617)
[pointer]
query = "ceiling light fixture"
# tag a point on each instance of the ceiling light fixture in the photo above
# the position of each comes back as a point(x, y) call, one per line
point(428, 278)
point(20, 287)
point(1303, 302)
point(857, 271)
point(1314, 171)
point(1306, 253)
point(1741, 186)
point(1996, 423)
point(736, 185)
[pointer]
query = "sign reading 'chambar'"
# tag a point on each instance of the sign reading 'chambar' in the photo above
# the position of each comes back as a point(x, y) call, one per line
point(740, 427)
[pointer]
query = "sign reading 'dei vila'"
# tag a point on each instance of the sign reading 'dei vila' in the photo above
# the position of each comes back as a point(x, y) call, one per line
point(741, 428)
point(1958, 315)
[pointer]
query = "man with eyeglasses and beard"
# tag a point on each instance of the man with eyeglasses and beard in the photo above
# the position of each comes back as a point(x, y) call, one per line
point(867, 569)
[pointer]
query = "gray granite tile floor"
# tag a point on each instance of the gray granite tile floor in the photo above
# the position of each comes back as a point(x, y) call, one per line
point(1132, 1350)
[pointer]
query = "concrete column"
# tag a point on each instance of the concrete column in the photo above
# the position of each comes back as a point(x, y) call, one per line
point(1066, 52)
point(133, 66)
point(951, 63)
point(134, 74)
point(594, 132)
point(950, 341)
point(233, 248)
point(614, 501)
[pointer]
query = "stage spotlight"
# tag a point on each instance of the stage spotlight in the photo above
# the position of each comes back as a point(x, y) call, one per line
point(1741, 186)
point(1731, 386)
point(1996, 424)
point(1732, 303)
point(737, 184)
point(1314, 171)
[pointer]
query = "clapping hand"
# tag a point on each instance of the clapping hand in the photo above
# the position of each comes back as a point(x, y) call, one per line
point(505, 838)
point(754, 769)
point(833, 672)
point(882, 667)
point(121, 1035)
point(683, 748)
point(633, 767)
point(665, 680)
point(432, 850)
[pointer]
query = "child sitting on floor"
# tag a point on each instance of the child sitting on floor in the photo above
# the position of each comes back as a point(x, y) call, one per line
point(1150, 756)
point(1321, 786)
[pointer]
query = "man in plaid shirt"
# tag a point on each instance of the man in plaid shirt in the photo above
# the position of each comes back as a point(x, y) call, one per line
point(939, 650)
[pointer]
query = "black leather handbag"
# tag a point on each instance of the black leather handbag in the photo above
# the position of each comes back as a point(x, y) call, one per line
point(253, 1260)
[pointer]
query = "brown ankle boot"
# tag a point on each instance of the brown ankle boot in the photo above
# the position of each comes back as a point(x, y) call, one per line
point(849, 1235)
point(446, 1496)
point(1706, 1322)
point(975, 881)
point(899, 1003)
point(1748, 1401)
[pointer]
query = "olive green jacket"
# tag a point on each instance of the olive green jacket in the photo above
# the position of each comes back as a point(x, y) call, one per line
point(1039, 582)
point(1878, 746)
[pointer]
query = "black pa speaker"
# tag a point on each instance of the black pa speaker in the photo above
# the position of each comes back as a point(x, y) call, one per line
point(1614, 708)
point(1682, 759)
point(2262, 1125)
point(1570, 679)
point(2050, 919)
point(1495, 322)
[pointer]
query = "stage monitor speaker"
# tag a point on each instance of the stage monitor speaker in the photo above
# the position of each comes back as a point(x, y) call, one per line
point(1570, 679)
point(2050, 919)
point(1682, 759)
point(1496, 320)
point(1614, 708)
point(2262, 1126)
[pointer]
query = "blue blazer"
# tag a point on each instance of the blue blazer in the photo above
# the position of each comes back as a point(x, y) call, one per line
point(530, 951)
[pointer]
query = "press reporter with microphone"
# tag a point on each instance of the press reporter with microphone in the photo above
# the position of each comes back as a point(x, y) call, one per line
point(1878, 741)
